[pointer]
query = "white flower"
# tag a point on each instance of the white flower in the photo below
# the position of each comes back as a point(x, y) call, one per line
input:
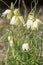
point(29, 23)
point(25, 46)
point(9, 37)
point(8, 13)
point(34, 25)
point(13, 20)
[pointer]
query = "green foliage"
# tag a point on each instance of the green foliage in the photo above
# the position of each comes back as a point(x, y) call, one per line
point(15, 54)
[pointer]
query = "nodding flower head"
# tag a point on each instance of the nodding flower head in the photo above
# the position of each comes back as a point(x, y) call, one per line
point(35, 25)
point(25, 46)
point(28, 23)
point(13, 20)
point(7, 13)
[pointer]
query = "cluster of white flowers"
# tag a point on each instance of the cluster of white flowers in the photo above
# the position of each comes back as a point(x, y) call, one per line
point(10, 39)
point(14, 18)
point(31, 23)
point(17, 18)
point(25, 46)
point(8, 13)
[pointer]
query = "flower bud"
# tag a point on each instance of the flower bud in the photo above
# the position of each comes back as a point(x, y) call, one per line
point(11, 43)
point(9, 38)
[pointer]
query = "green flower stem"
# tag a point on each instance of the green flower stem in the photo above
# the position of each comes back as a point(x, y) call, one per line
point(6, 58)
point(34, 8)
point(12, 49)
point(15, 2)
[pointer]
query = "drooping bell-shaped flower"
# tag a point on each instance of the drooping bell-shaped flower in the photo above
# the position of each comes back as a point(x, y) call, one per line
point(29, 20)
point(32, 22)
point(28, 24)
point(25, 46)
point(7, 13)
point(13, 20)
point(34, 25)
